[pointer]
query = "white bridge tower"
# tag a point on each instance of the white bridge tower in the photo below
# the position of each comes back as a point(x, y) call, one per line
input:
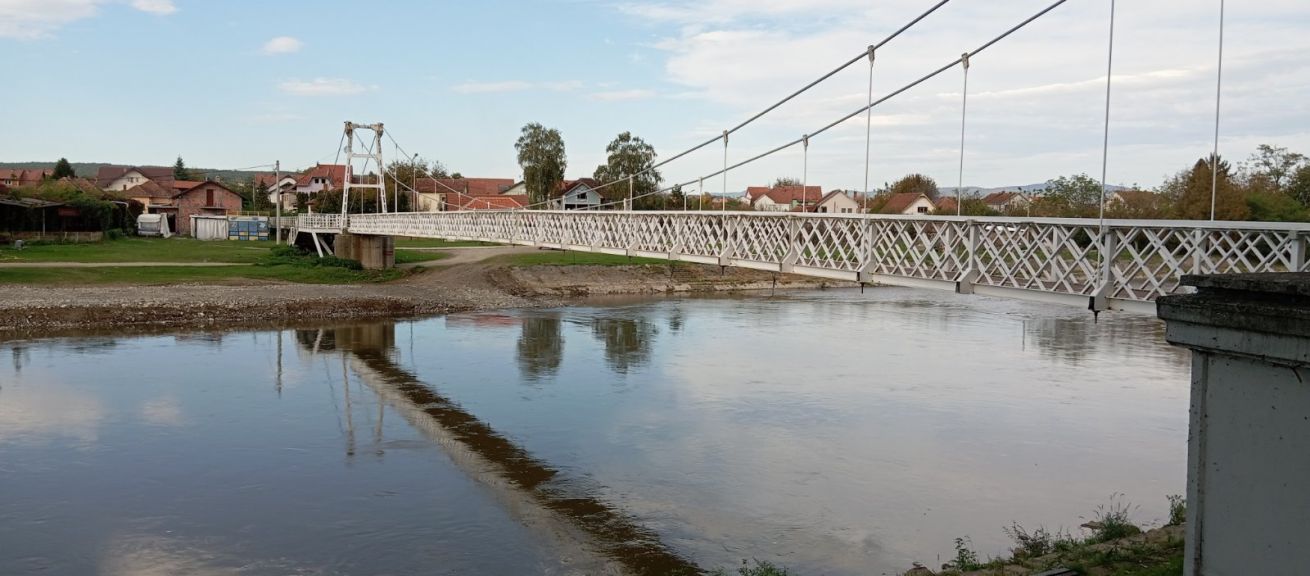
point(373, 154)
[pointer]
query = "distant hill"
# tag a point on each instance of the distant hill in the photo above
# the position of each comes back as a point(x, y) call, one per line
point(89, 169)
point(1034, 189)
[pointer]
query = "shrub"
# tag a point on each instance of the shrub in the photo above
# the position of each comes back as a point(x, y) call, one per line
point(1177, 510)
point(761, 568)
point(1039, 542)
point(965, 558)
point(1113, 521)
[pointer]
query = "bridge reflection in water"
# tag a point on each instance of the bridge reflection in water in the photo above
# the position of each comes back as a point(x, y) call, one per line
point(534, 491)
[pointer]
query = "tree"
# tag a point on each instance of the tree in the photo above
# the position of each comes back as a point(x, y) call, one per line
point(179, 170)
point(1077, 196)
point(1189, 193)
point(786, 181)
point(541, 156)
point(677, 196)
point(630, 157)
point(456, 175)
point(1276, 165)
point(1299, 186)
point(915, 184)
point(63, 170)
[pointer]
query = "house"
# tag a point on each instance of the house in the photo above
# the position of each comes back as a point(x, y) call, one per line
point(1006, 201)
point(205, 198)
point(496, 202)
point(783, 198)
point(947, 206)
point(908, 203)
point(1132, 197)
point(121, 178)
point(580, 194)
point(837, 202)
point(14, 178)
point(437, 194)
point(321, 177)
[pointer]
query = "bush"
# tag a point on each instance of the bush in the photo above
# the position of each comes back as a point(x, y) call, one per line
point(1177, 510)
point(761, 568)
point(1039, 542)
point(1112, 522)
point(283, 255)
point(114, 234)
point(965, 558)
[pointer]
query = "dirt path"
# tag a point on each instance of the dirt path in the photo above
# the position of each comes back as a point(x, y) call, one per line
point(467, 255)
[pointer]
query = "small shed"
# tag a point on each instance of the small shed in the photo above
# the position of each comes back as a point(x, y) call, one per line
point(208, 227)
point(152, 225)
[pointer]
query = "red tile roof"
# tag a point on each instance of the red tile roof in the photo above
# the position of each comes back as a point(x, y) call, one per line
point(1000, 198)
point(786, 194)
point(492, 202)
point(335, 174)
point(899, 202)
point(107, 174)
point(946, 205)
point(183, 185)
point(25, 177)
point(472, 186)
point(150, 189)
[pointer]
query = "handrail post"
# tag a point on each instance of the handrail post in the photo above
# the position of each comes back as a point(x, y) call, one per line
point(1298, 263)
point(729, 244)
point(964, 284)
point(1100, 299)
point(865, 274)
point(788, 263)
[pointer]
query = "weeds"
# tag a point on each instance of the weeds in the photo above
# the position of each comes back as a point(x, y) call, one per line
point(1177, 510)
point(1039, 542)
point(291, 256)
point(761, 568)
point(1113, 521)
point(965, 558)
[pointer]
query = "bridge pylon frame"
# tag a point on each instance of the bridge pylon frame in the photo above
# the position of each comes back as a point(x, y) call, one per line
point(374, 154)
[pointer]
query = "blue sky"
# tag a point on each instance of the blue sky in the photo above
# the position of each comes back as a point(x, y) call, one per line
point(238, 83)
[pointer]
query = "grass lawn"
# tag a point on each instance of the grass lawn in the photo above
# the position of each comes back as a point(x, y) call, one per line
point(562, 258)
point(142, 250)
point(175, 275)
point(435, 243)
point(411, 256)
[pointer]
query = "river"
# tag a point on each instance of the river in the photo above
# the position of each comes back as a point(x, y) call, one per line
point(832, 432)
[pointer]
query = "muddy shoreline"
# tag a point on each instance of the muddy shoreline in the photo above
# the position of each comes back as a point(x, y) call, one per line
point(44, 311)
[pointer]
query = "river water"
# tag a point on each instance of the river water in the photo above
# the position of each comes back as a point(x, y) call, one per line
point(832, 432)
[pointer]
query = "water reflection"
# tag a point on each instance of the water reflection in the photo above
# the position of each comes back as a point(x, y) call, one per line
point(627, 341)
point(482, 451)
point(540, 346)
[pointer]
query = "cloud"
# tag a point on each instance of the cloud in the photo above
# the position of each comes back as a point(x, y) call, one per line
point(282, 45)
point(160, 7)
point(622, 95)
point(324, 87)
point(31, 19)
point(563, 86)
point(492, 87)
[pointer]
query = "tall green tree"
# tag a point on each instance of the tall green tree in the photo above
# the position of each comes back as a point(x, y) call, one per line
point(915, 184)
point(1299, 186)
point(630, 157)
point(1189, 192)
point(1077, 196)
point(180, 171)
point(63, 170)
point(541, 156)
point(1275, 165)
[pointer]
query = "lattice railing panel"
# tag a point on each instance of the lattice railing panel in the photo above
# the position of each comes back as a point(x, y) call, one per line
point(1118, 259)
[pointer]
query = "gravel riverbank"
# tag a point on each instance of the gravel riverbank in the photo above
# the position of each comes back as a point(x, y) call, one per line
point(470, 285)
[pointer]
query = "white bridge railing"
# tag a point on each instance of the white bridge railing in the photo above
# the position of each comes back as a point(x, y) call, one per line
point(321, 222)
point(1126, 263)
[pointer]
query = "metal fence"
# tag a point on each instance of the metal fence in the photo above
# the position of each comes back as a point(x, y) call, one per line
point(1115, 264)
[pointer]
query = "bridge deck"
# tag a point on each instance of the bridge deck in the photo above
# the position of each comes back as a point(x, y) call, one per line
point(1117, 264)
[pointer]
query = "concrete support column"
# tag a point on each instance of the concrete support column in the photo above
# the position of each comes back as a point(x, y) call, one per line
point(374, 252)
point(1248, 461)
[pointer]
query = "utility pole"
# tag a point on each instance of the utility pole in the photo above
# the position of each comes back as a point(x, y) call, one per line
point(413, 186)
point(277, 184)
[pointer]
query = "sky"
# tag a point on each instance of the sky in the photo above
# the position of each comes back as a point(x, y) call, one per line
point(238, 83)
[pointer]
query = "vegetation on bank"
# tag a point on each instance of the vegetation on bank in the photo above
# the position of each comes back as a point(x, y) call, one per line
point(172, 250)
point(404, 242)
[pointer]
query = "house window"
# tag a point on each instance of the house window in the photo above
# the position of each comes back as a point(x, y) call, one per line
point(923, 209)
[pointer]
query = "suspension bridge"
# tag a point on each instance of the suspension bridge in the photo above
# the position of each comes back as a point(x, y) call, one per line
point(1105, 264)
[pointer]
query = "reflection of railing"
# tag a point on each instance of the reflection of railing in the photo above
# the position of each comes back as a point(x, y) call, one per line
point(1120, 263)
point(321, 222)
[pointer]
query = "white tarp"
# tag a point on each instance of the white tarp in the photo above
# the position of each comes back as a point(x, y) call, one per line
point(152, 225)
point(209, 227)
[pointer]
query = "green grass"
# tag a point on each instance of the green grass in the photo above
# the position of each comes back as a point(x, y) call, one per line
point(561, 258)
point(148, 276)
point(435, 243)
point(412, 256)
point(142, 250)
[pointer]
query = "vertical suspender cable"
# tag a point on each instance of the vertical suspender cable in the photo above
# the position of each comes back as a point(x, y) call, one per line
point(723, 202)
point(805, 172)
point(868, 132)
point(964, 114)
point(1218, 94)
point(1105, 142)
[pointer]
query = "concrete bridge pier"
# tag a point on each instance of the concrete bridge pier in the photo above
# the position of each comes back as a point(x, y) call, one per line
point(374, 252)
point(1248, 451)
